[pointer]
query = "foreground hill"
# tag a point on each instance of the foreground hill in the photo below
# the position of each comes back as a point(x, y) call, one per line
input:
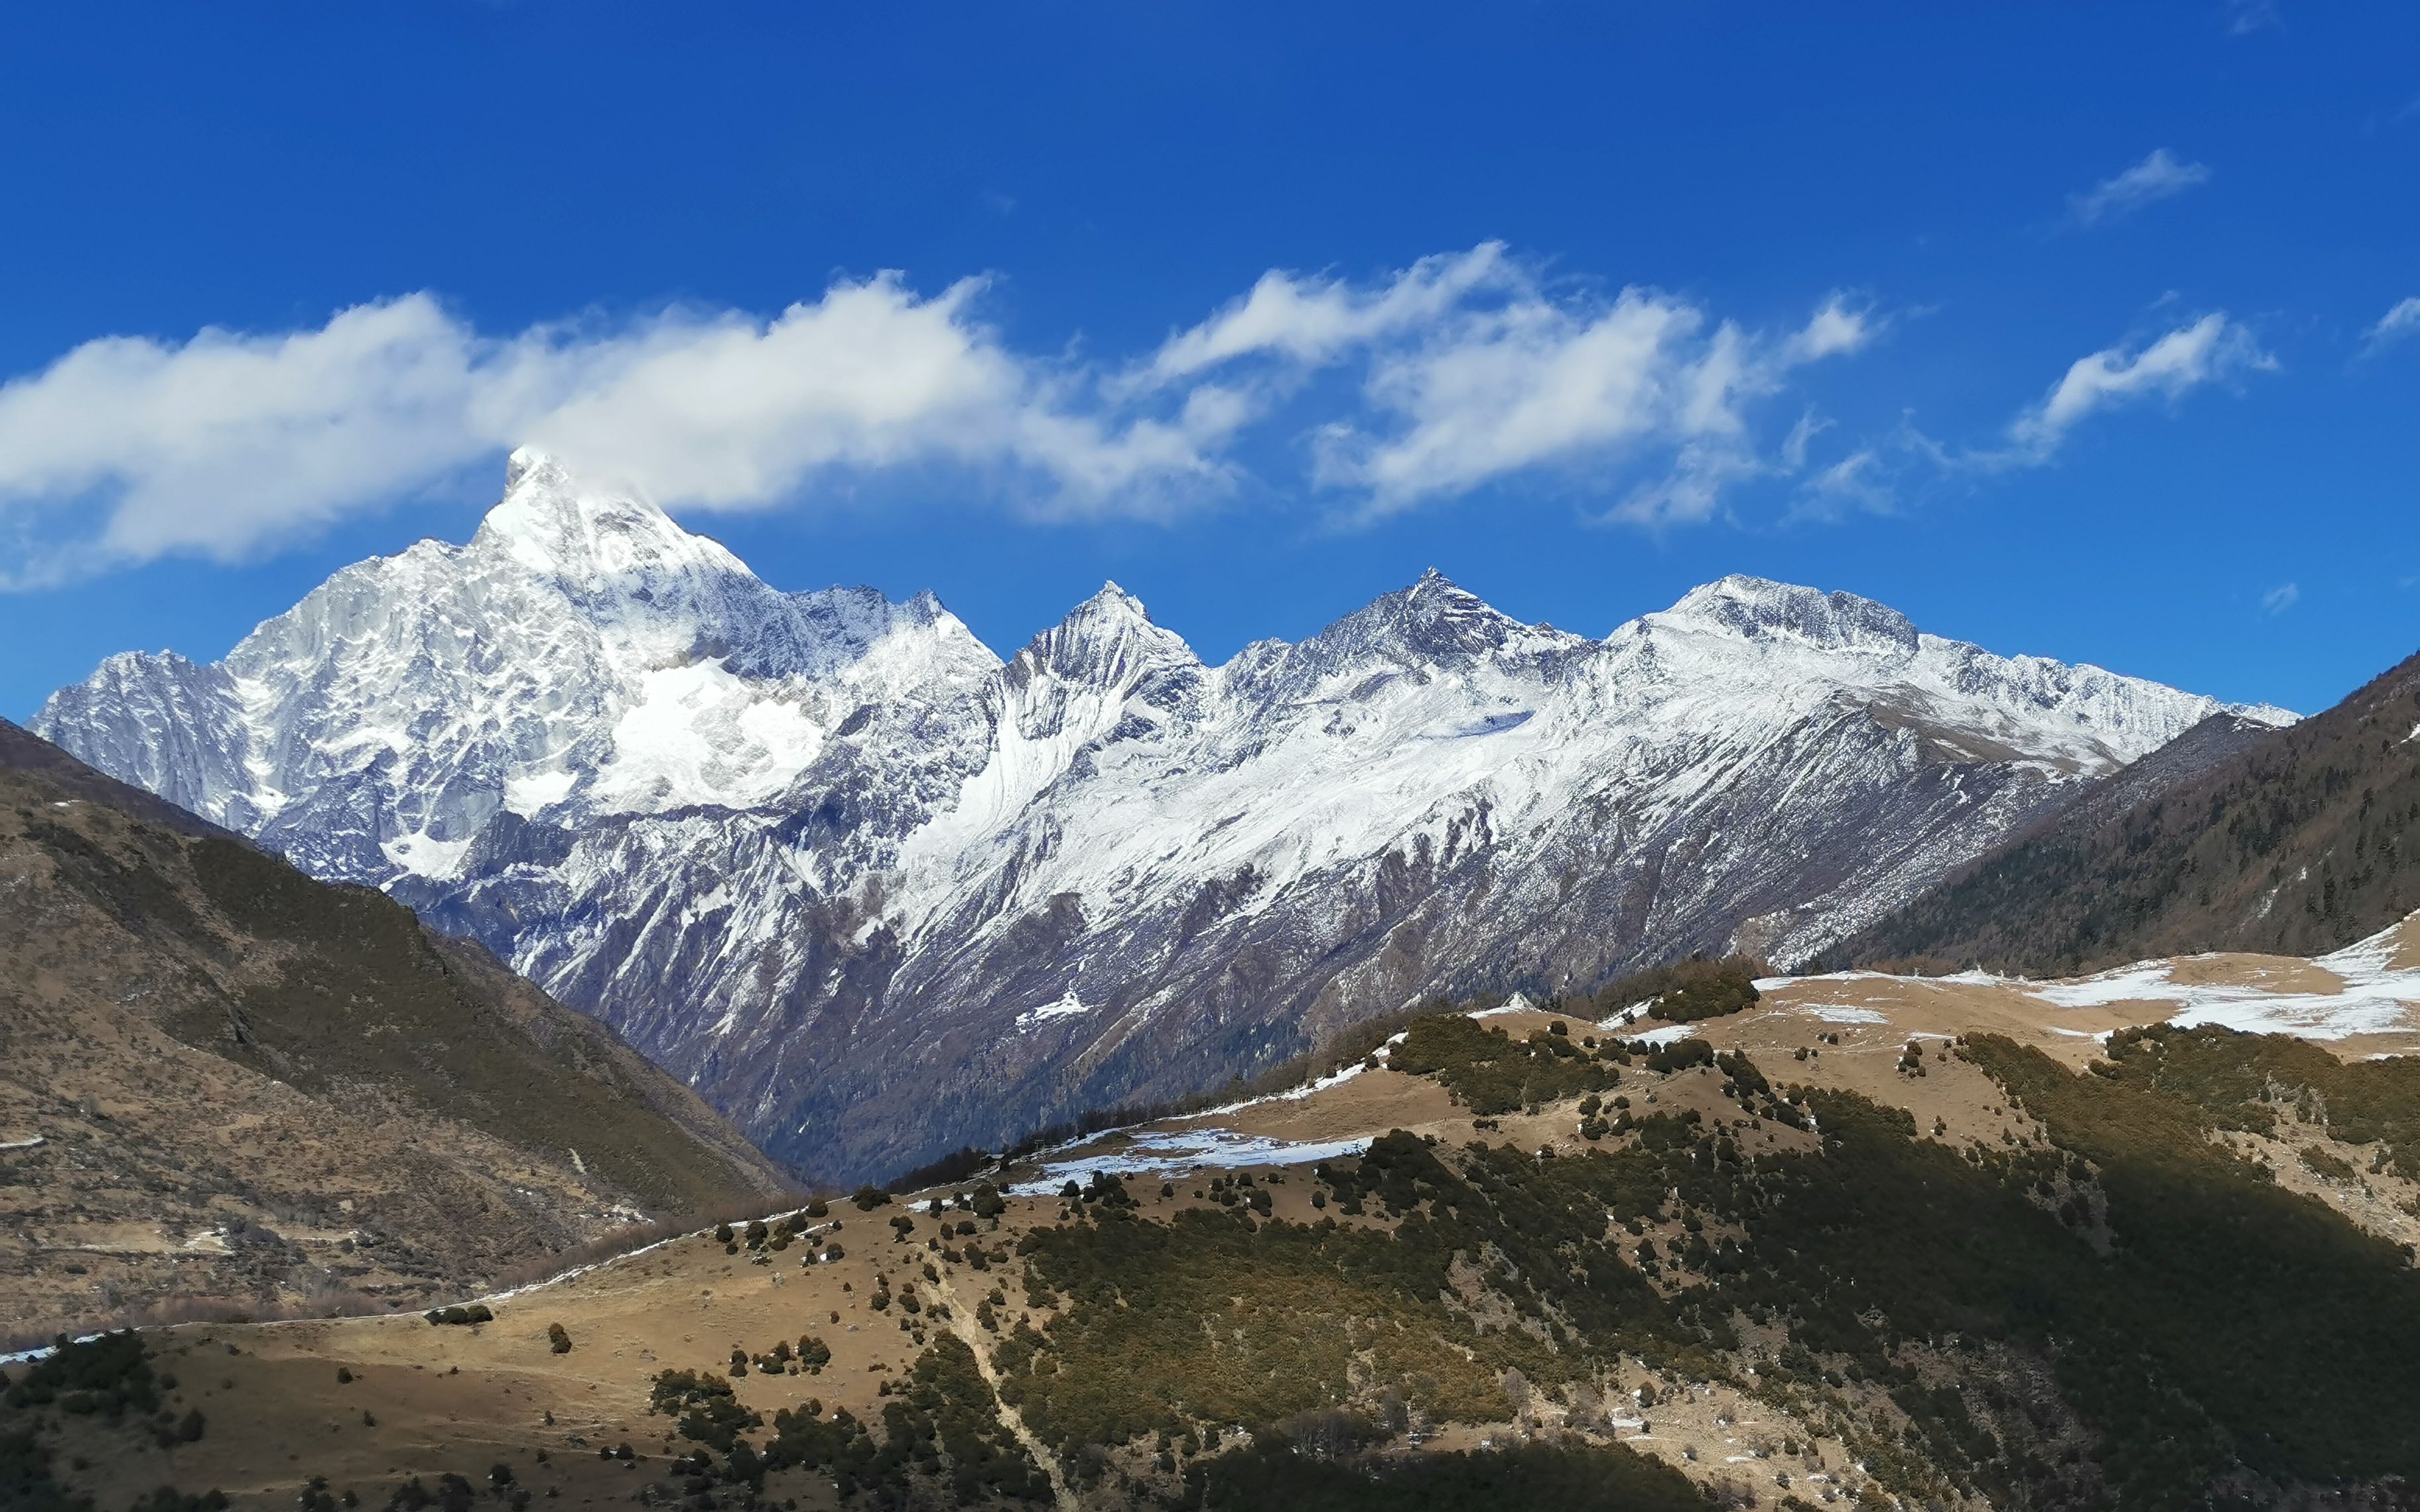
point(1859, 1240)
point(820, 854)
point(2303, 840)
point(221, 1080)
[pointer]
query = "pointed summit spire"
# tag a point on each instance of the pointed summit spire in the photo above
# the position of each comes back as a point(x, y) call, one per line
point(525, 461)
point(1109, 638)
point(1112, 606)
point(593, 538)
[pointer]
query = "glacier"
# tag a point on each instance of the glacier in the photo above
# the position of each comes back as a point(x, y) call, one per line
point(877, 893)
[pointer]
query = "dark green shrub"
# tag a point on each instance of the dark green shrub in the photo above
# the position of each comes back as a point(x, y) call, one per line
point(1686, 992)
point(108, 1375)
point(708, 1411)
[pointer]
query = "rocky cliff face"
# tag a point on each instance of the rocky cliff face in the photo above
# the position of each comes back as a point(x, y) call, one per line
point(877, 894)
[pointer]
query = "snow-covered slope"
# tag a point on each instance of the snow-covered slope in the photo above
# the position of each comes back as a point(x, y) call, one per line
point(878, 894)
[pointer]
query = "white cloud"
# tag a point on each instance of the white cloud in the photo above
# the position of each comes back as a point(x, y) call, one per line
point(1313, 321)
point(229, 444)
point(2212, 348)
point(2159, 176)
point(1537, 384)
point(1837, 330)
point(2279, 599)
point(2395, 324)
point(1474, 369)
point(1465, 368)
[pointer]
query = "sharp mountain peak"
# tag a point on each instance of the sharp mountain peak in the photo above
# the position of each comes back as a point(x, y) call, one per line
point(1759, 608)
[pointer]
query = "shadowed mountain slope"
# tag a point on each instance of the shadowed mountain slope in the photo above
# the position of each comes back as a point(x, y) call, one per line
point(220, 1078)
point(2290, 841)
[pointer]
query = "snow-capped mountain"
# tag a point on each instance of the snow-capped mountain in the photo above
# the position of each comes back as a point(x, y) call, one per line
point(878, 894)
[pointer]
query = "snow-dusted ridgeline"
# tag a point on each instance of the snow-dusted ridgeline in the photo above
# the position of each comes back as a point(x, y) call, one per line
point(876, 894)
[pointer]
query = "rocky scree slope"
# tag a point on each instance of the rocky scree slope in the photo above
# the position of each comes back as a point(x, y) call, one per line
point(2294, 841)
point(824, 855)
point(221, 1079)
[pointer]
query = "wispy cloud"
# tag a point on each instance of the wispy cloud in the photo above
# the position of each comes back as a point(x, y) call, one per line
point(1469, 367)
point(2279, 599)
point(1312, 320)
point(2159, 176)
point(2211, 350)
point(1859, 481)
point(1880, 475)
point(1473, 368)
point(2401, 321)
point(2244, 17)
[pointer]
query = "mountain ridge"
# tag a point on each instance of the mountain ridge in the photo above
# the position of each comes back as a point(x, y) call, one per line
point(868, 850)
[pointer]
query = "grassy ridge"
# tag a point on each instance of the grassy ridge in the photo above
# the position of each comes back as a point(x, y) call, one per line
point(1966, 1295)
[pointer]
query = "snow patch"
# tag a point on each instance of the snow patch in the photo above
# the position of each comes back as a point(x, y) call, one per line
point(2377, 997)
point(427, 857)
point(1517, 1003)
point(533, 792)
point(1669, 1034)
point(1842, 1013)
point(1293, 1094)
point(1068, 1006)
point(1173, 1152)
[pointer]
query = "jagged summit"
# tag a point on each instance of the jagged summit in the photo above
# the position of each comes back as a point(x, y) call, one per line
point(1108, 641)
point(596, 539)
point(1433, 622)
point(1111, 606)
point(1759, 609)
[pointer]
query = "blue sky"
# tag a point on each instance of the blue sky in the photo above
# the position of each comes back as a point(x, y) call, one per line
point(2064, 328)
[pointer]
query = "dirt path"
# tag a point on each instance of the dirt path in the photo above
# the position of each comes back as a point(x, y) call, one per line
point(962, 1323)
